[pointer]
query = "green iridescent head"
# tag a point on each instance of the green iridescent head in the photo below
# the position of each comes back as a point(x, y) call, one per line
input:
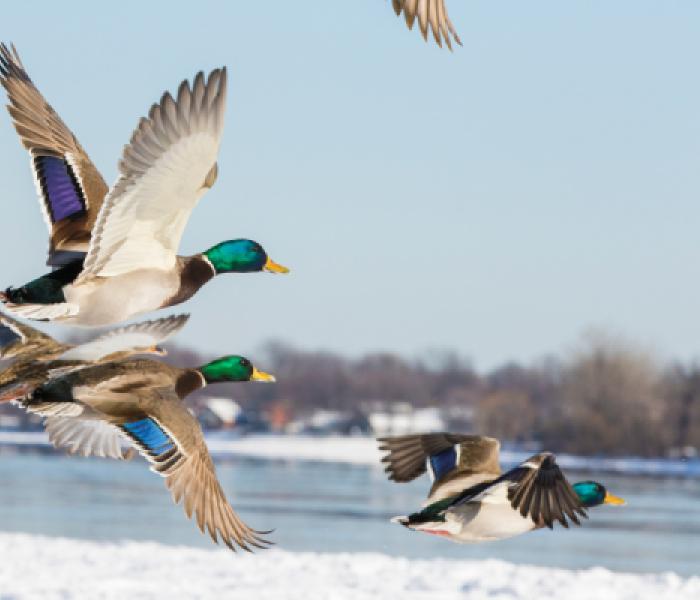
point(232, 368)
point(592, 493)
point(241, 256)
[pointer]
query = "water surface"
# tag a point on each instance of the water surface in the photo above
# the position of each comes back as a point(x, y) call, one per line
point(332, 507)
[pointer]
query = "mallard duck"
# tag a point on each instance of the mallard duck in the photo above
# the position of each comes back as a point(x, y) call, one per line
point(472, 501)
point(430, 13)
point(117, 250)
point(37, 355)
point(90, 410)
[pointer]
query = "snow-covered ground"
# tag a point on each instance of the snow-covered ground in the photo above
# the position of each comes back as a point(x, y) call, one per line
point(363, 450)
point(35, 567)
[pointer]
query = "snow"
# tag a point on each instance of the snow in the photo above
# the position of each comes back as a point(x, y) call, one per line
point(364, 451)
point(409, 421)
point(356, 450)
point(37, 567)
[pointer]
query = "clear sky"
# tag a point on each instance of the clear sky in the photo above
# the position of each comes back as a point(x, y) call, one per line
point(500, 200)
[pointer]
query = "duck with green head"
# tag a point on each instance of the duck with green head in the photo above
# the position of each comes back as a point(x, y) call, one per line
point(90, 410)
point(592, 494)
point(116, 249)
point(472, 501)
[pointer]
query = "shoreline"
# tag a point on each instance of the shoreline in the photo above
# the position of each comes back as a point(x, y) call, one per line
point(364, 451)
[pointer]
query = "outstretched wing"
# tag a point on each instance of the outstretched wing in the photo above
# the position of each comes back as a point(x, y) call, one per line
point(131, 337)
point(539, 490)
point(15, 337)
point(430, 13)
point(171, 439)
point(409, 456)
point(85, 436)
point(70, 188)
point(166, 168)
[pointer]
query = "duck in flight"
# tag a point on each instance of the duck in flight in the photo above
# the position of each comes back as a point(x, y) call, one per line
point(472, 501)
point(115, 250)
point(142, 401)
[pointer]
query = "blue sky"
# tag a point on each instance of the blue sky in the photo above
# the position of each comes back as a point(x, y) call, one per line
point(501, 200)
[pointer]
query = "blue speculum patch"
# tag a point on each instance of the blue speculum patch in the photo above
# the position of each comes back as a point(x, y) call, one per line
point(443, 463)
point(59, 187)
point(150, 435)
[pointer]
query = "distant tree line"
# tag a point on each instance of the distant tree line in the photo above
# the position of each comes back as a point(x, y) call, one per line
point(608, 397)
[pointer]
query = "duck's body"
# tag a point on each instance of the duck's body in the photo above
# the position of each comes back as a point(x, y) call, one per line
point(108, 389)
point(98, 302)
point(102, 301)
point(116, 249)
point(36, 355)
point(486, 520)
point(471, 500)
point(474, 522)
point(90, 410)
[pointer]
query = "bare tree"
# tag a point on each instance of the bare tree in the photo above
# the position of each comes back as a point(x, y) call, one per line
point(611, 398)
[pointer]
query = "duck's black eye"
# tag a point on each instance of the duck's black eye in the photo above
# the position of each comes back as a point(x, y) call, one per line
point(244, 362)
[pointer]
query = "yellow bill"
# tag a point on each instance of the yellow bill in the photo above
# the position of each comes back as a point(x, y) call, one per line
point(261, 376)
point(272, 267)
point(610, 499)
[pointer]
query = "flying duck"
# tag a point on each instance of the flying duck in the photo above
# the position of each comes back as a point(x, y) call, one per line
point(472, 501)
point(115, 250)
point(90, 410)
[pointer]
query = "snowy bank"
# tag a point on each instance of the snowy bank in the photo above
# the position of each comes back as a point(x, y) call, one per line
point(48, 568)
point(36, 567)
point(363, 451)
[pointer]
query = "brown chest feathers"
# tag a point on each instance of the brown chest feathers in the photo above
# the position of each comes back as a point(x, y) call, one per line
point(195, 271)
point(190, 381)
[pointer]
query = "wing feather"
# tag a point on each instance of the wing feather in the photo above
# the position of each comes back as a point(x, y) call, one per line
point(407, 454)
point(540, 490)
point(87, 437)
point(70, 188)
point(190, 474)
point(431, 14)
point(162, 178)
point(18, 330)
point(129, 338)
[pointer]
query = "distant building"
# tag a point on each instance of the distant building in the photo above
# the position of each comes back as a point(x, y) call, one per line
point(278, 415)
point(325, 422)
point(227, 414)
point(227, 410)
point(460, 418)
point(401, 418)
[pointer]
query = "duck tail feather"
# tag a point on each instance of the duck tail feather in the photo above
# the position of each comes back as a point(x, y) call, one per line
point(401, 520)
point(42, 312)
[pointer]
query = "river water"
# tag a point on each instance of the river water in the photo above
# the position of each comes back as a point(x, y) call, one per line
point(335, 507)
